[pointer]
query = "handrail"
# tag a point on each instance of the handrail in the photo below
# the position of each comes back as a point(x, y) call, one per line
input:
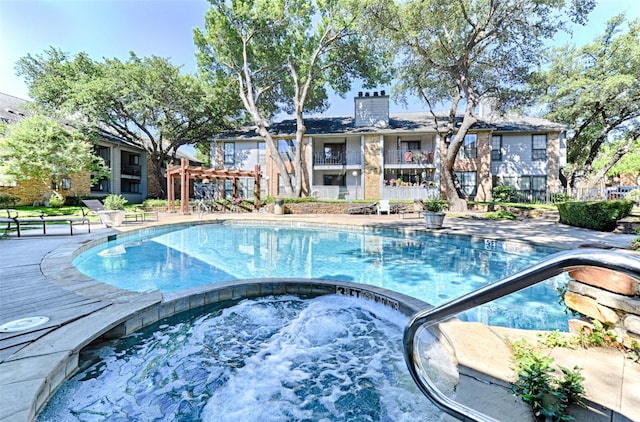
point(550, 267)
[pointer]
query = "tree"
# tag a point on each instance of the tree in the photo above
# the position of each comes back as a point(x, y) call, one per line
point(39, 148)
point(460, 51)
point(281, 55)
point(146, 101)
point(595, 90)
point(619, 157)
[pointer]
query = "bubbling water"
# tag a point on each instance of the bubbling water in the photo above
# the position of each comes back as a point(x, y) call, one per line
point(331, 358)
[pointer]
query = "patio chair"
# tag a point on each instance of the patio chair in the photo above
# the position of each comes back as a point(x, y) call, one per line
point(365, 209)
point(384, 206)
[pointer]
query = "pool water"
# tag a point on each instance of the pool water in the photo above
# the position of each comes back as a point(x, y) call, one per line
point(330, 358)
point(433, 269)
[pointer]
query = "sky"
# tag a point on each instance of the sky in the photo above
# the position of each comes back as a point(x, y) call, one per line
point(113, 28)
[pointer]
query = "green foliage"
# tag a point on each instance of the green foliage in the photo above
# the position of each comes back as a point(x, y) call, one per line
point(634, 195)
point(455, 52)
point(592, 89)
point(599, 336)
point(504, 193)
point(144, 100)
point(598, 215)
point(547, 396)
point(634, 353)
point(635, 243)
point(39, 148)
point(284, 58)
point(56, 200)
point(557, 339)
point(561, 197)
point(115, 202)
point(435, 205)
point(7, 201)
point(152, 203)
point(500, 215)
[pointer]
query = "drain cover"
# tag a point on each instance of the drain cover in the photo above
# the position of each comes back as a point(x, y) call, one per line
point(23, 324)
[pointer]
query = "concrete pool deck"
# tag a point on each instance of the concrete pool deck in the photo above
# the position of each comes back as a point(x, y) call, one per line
point(35, 280)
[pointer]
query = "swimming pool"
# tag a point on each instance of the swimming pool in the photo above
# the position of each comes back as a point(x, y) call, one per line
point(434, 269)
point(329, 358)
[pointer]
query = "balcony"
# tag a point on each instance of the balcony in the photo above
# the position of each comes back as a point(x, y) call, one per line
point(422, 158)
point(131, 170)
point(349, 158)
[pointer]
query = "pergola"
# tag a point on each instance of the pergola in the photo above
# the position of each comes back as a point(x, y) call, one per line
point(185, 174)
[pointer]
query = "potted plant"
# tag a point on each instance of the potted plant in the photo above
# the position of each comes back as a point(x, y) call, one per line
point(434, 212)
point(114, 210)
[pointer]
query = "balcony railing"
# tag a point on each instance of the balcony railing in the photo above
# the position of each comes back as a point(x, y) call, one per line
point(132, 170)
point(337, 159)
point(396, 156)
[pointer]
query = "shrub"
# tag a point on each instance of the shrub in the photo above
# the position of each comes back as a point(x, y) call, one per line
point(435, 205)
point(504, 193)
point(635, 243)
point(7, 201)
point(72, 201)
point(56, 200)
point(598, 215)
point(115, 202)
point(500, 215)
point(151, 203)
point(560, 197)
point(634, 195)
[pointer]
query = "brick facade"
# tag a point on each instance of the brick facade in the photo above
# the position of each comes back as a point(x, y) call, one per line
point(30, 191)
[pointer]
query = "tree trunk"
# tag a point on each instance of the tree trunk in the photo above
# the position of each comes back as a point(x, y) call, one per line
point(595, 179)
point(277, 158)
point(457, 202)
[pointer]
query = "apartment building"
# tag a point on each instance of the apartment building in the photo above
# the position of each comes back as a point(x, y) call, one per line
point(375, 154)
point(127, 166)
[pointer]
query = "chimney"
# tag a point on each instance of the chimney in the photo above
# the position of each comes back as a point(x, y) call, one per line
point(372, 110)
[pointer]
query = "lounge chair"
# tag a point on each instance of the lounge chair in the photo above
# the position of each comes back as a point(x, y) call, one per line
point(365, 209)
point(98, 209)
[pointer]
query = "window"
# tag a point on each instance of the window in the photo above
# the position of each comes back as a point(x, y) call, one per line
point(129, 186)
point(538, 147)
point(262, 153)
point(65, 183)
point(468, 182)
point(496, 148)
point(101, 186)
point(134, 160)
point(470, 146)
point(333, 180)
point(281, 190)
point(104, 153)
point(229, 153)
point(287, 148)
point(228, 189)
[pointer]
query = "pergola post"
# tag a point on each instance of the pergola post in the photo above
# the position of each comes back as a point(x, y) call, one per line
point(184, 186)
point(256, 187)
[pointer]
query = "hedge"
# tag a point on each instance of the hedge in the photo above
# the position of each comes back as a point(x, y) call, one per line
point(597, 215)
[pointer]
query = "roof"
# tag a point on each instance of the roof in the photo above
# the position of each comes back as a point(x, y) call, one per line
point(399, 123)
point(12, 108)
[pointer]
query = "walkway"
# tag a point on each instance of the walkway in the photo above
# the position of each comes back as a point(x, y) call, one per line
point(36, 278)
